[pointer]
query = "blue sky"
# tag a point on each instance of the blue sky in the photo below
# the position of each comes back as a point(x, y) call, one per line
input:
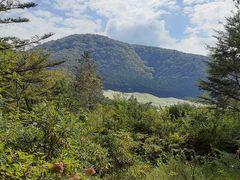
point(185, 25)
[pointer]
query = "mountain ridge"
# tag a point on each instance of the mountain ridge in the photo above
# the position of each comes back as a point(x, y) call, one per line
point(130, 67)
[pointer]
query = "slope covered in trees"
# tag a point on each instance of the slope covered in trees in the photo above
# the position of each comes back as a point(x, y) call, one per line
point(134, 68)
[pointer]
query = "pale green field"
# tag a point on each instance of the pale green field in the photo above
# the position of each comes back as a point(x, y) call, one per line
point(146, 98)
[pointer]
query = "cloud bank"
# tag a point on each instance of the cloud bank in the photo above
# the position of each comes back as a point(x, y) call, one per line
point(143, 22)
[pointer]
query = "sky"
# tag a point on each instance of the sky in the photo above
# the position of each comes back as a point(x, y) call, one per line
point(184, 25)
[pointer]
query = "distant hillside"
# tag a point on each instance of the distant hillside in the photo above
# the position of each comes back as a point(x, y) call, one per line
point(145, 98)
point(133, 68)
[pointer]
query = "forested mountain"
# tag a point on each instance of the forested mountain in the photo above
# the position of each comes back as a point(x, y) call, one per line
point(133, 68)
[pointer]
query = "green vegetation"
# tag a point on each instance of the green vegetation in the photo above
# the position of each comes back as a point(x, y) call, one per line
point(46, 132)
point(55, 125)
point(133, 68)
point(122, 139)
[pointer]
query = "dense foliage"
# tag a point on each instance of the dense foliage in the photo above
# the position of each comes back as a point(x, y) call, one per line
point(48, 130)
point(120, 139)
point(55, 125)
point(133, 68)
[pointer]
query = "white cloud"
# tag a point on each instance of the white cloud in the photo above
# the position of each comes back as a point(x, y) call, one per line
point(152, 33)
point(207, 16)
point(70, 5)
point(132, 9)
point(193, 2)
point(44, 22)
point(195, 44)
point(133, 21)
point(126, 18)
point(204, 16)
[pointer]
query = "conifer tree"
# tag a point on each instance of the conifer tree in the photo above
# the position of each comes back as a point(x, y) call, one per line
point(24, 78)
point(223, 80)
point(88, 85)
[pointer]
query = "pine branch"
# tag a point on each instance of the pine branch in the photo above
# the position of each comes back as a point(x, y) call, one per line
point(15, 43)
point(14, 20)
point(6, 5)
point(32, 68)
point(237, 2)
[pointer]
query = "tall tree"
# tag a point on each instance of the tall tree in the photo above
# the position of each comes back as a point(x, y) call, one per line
point(223, 81)
point(88, 85)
